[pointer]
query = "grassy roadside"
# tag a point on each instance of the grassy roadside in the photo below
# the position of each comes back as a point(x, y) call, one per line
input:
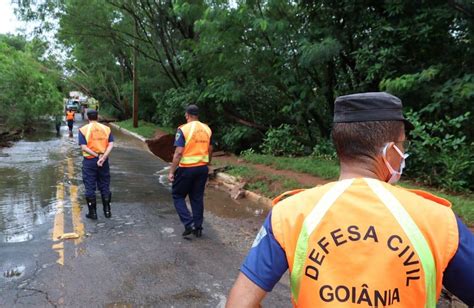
point(326, 169)
point(463, 204)
point(145, 129)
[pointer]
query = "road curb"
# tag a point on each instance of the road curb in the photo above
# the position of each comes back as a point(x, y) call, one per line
point(235, 189)
point(127, 132)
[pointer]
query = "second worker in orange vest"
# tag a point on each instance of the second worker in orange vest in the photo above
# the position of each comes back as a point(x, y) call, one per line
point(189, 171)
point(70, 115)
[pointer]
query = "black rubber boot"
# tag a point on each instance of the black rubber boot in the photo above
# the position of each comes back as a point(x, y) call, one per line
point(92, 206)
point(106, 203)
point(198, 232)
point(188, 231)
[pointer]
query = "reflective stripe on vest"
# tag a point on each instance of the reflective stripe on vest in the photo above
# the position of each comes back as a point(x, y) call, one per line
point(193, 153)
point(396, 209)
point(194, 159)
point(414, 235)
point(191, 132)
point(309, 225)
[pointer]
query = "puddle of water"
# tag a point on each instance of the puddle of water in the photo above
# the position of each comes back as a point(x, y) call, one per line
point(14, 272)
point(17, 237)
point(28, 178)
point(31, 169)
point(163, 177)
point(146, 170)
point(221, 204)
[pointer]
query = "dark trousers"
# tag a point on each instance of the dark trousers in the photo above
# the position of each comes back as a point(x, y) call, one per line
point(95, 177)
point(70, 124)
point(58, 128)
point(190, 181)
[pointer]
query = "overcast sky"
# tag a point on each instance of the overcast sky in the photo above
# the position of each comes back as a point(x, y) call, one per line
point(8, 21)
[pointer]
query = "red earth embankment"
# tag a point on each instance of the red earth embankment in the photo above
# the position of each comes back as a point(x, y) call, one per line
point(162, 145)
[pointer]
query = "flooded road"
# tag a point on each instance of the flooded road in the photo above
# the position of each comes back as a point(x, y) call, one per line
point(137, 257)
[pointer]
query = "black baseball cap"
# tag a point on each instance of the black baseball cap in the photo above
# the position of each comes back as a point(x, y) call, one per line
point(192, 110)
point(92, 112)
point(369, 106)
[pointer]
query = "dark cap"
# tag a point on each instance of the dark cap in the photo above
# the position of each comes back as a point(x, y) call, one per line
point(192, 110)
point(92, 112)
point(369, 106)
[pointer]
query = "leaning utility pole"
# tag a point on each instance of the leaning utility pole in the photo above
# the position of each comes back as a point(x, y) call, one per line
point(135, 80)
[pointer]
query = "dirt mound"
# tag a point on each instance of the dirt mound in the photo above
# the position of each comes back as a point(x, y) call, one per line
point(8, 137)
point(162, 145)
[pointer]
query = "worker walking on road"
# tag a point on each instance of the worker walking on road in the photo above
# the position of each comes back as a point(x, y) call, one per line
point(70, 115)
point(361, 241)
point(57, 124)
point(96, 142)
point(193, 154)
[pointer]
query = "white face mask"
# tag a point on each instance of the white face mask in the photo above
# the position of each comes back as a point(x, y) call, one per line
point(395, 175)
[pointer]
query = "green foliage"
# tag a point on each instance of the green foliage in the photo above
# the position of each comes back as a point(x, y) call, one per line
point(253, 65)
point(240, 171)
point(441, 153)
point(281, 141)
point(28, 90)
point(262, 187)
point(320, 52)
point(325, 149)
point(171, 108)
point(409, 82)
point(232, 137)
point(326, 169)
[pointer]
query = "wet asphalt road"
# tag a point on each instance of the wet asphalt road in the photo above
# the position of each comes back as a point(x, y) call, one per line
point(136, 258)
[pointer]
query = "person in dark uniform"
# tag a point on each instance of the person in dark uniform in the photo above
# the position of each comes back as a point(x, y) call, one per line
point(96, 142)
point(189, 170)
point(57, 124)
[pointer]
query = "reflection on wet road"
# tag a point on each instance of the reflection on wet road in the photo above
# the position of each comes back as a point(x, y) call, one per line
point(28, 171)
point(137, 257)
point(40, 177)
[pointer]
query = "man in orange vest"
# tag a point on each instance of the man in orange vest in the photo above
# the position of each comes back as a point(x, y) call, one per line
point(360, 241)
point(189, 170)
point(70, 115)
point(96, 142)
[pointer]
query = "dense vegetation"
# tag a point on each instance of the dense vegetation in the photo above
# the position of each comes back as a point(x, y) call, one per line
point(266, 72)
point(28, 83)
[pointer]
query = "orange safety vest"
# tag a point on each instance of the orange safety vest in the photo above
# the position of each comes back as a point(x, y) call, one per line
point(70, 115)
point(363, 242)
point(197, 137)
point(97, 138)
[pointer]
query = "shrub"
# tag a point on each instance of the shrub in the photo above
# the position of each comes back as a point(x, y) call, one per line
point(441, 154)
point(281, 142)
point(325, 149)
point(234, 138)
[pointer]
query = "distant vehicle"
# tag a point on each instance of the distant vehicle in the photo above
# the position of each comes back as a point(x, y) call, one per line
point(74, 105)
